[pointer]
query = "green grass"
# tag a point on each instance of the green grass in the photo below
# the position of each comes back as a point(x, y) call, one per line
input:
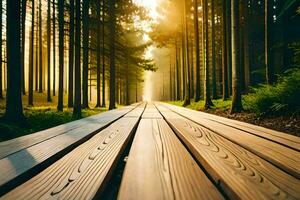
point(39, 117)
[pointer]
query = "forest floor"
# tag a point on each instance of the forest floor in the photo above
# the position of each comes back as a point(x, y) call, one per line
point(287, 124)
point(41, 116)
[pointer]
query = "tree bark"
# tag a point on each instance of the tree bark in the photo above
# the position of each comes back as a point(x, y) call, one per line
point(85, 70)
point(48, 51)
point(14, 108)
point(1, 76)
point(213, 42)
point(268, 41)
point(112, 24)
point(98, 6)
point(246, 47)
point(40, 49)
point(224, 53)
point(60, 105)
point(229, 47)
point(77, 100)
point(24, 4)
point(71, 57)
point(207, 98)
point(54, 48)
point(178, 95)
point(236, 94)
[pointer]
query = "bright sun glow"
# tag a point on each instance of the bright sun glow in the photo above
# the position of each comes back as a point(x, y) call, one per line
point(150, 5)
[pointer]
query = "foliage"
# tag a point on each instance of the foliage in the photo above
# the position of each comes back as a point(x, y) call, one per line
point(295, 47)
point(282, 98)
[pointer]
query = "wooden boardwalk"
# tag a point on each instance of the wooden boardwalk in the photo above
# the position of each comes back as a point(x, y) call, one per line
point(176, 153)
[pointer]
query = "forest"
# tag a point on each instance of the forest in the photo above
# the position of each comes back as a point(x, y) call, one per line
point(62, 60)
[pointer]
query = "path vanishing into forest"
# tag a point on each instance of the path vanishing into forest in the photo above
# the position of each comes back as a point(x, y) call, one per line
point(151, 151)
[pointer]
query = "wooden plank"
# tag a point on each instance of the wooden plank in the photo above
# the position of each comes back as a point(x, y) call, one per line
point(283, 157)
point(240, 173)
point(151, 112)
point(288, 140)
point(159, 167)
point(19, 166)
point(84, 171)
point(17, 144)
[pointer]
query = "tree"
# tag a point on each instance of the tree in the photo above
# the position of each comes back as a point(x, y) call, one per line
point(268, 22)
point(14, 108)
point(71, 56)
point(98, 7)
point(61, 55)
point(197, 50)
point(31, 58)
point(54, 48)
point(40, 49)
point(213, 47)
point(207, 98)
point(112, 28)
point(24, 4)
point(103, 55)
point(48, 51)
point(236, 105)
point(1, 86)
point(77, 100)
point(85, 70)
point(224, 52)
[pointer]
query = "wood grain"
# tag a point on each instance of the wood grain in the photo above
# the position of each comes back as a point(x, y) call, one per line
point(160, 168)
point(287, 140)
point(82, 172)
point(16, 167)
point(17, 144)
point(241, 173)
point(283, 157)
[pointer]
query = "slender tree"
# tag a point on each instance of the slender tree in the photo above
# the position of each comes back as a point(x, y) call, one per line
point(24, 5)
point(31, 58)
point(54, 47)
point(236, 94)
point(1, 77)
point(213, 47)
point(268, 22)
point(112, 28)
point(103, 54)
point(61, 55)
point(177, 72)
point(14, 108)
point(224, 53)
point(48, 51)
point(246, 46)
point(71, 56)
point(77, 100)
point(40, 49)
point(229, 48)
point(197, 51)
point(85, 69)
point(207, 98)
point(98, 6)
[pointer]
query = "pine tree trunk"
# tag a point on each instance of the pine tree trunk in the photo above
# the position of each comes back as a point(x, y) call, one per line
point(37, 53)
point(14, 108)
point(224, 54)
point(268, 22)
point(24, 4)
point(40, 49)
point(60, 105)
point(187, 99)
point(85, 70)
point(246, 47)
point(103, 56)
point(1, 76)
point(71, 57)
point(112, 24)
point(213, 43)
point(229, 48)
point(48, 51)
point(77, 100)
point(54, 48)
point(236, 94)
point(98, 6)
point(207, 98)
point(31, 59)
point(178, 95)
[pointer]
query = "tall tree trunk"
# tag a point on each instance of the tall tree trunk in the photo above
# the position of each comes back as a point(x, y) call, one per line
point(54, 48)
point(71, 57)
point(60, 105)
point(183, 63)
point(98, 6)
point(14, 108)
point(236, 94)
point(40, 49)
point(207, 98)
point(48, 51)
point(112, 28)
point(127, 84)
point(1, 58)
point(213, 43)
point(77, 101)
point(85, 70)
point(229, 47)
point(187, 99)
point(224, 53)
point(31, 59)
point(103, 55)
point(268, 22)
point(246, 46)
point(37, 53)
point(24, 4)
point(178, 95)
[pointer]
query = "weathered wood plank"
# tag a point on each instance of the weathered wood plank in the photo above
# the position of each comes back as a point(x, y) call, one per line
point(283, 157)
point(240, 173)
point(159, 167)
point(80, 174)
point(151, 112)
point(18, 167)
point(276, 136)
point(17, 144)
